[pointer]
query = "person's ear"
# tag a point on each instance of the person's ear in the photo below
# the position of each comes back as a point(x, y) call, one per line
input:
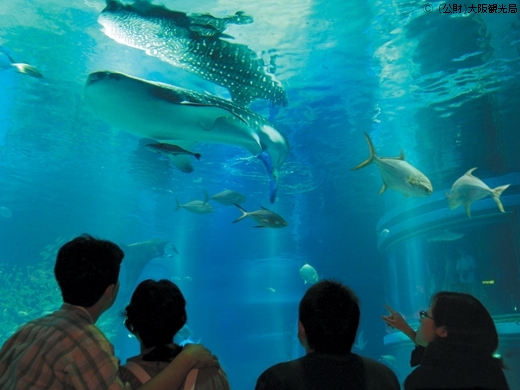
point(301, 330)
point(441, 331)
point(111, 291)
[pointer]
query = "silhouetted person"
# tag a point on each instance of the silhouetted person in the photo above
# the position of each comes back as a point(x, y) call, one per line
point(455, 341)
point(65, 349)
point(157, 311)
point(328, 322)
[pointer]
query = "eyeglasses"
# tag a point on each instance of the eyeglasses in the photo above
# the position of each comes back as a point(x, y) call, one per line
point(423, 314)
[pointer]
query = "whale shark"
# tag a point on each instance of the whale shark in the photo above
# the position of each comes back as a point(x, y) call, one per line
point(195, 43)
point(183, 117)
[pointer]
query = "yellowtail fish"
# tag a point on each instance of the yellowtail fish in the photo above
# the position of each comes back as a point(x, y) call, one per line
point(226, 198)
point(469, 188)
point(171, 150)
point(397, 174)
point(194, 43)
point(264, 218)
point(195, 206)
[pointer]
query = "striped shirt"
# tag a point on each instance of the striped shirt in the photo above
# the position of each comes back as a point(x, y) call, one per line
point(64, 350)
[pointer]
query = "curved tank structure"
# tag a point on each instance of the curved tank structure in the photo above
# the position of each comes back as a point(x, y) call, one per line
point(429, 248)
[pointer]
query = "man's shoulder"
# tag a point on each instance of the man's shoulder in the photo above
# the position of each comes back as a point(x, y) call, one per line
point(378, 375)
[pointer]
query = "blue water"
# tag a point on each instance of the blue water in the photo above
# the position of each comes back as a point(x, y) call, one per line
point(442, 87)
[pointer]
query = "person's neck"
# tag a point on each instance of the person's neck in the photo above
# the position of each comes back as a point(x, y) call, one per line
point(95, 312)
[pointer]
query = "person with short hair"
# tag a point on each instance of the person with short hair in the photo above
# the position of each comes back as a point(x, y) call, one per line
point(65, 349)
point(456, 340)
point(328, 321)
point(156, 312)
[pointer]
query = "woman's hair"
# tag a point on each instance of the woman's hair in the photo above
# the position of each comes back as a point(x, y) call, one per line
point(157, 311)
point(468, 324)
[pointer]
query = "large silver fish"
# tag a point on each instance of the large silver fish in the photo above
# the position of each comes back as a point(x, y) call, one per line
point(226, 198)
point(469, 188)
point(397, 174)
point(194, 42)
point(19, 66)
point(182, 117)
point(195, 206)
point(264, 218)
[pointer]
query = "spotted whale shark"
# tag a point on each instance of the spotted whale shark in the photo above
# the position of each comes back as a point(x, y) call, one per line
point(183, 117)
point(196, 43)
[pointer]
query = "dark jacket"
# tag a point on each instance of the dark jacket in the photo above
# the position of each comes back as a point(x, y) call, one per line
point(444, 369)
point(316, 371)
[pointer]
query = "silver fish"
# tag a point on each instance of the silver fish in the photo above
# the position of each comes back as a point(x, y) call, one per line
point(226, 198)
point(21, 67)
point(264, 218)
point(194, 42)
point(397, 174)
point(175, 115)
point(195, 206)
point(469, 188)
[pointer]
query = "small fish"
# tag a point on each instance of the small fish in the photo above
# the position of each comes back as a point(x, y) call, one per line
point(5, 212)
point(389, 360)
point(170, 151)
point(384, 233)
point(445, 236)
point(27, 69)
point(264, 218)
point(309, 274)
point(170, 249)
point(226, 198)
point(270, 289)
point(360, 341)
point(195, 206)
point(185, 332)
point(397, 174)
point(468, 188)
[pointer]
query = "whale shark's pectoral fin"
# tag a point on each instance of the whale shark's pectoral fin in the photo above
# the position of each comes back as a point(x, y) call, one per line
point(209, 124)
point(383, 189)
point(273, 175)
point(182, 162)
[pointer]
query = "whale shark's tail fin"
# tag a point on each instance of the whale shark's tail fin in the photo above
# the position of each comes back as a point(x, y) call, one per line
point(273, 175)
